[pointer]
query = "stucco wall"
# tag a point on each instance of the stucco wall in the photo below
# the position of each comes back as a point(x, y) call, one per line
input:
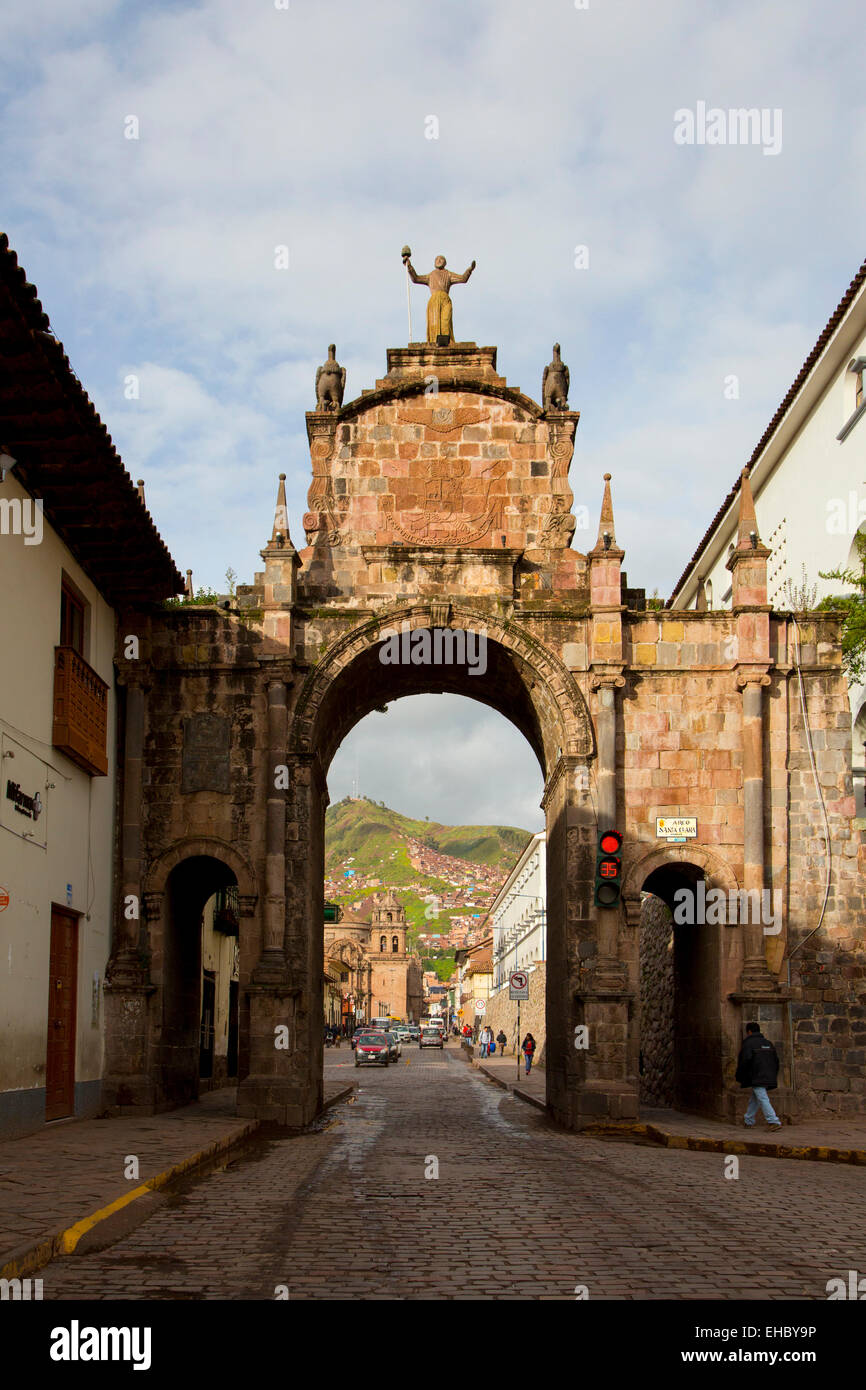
point(77, 821)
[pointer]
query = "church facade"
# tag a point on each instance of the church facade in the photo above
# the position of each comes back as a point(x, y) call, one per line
point(367, 953)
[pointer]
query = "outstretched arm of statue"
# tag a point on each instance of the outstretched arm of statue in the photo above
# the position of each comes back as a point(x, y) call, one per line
point(415, 277)
point(461, 279)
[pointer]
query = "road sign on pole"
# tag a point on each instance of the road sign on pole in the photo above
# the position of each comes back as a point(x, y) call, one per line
point(518, 984)
point(480, 1005)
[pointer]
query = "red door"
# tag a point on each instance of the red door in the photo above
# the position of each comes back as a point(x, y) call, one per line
point(62, 988)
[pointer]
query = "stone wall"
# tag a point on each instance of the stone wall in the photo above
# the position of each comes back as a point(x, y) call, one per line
point(501, 1013)
point(656, 1003)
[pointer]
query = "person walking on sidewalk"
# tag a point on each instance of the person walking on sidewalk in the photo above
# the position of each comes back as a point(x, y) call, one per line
point(758, 1069)
point(502, 1040)
point(485, 1040)
point(528, 1050)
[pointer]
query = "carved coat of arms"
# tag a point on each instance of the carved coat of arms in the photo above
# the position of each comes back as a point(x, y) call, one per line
point(446, 500)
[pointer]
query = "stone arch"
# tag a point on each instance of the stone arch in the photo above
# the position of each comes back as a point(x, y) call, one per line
point(200, 846)
point(350, 947)
point(555, 717)
point(717, 870)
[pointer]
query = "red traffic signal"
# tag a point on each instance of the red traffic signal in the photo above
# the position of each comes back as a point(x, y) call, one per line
point(608, 869)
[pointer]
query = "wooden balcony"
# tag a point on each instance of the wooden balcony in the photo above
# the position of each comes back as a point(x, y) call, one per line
point(80, 712)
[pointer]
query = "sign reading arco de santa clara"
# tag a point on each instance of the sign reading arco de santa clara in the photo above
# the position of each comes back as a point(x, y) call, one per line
point(676, 827)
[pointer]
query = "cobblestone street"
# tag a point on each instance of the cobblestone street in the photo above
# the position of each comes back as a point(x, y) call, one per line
point(519, 1210)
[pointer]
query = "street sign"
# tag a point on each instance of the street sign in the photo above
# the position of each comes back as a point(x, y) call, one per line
point(480, 1005)
point(4, 899)
point(518, 985)
point(676, 828)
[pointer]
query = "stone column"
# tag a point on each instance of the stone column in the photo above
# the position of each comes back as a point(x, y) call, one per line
point(272, 965)
point(755, 972)
point(125, 967)
point(126, 1081)
point(609, 970)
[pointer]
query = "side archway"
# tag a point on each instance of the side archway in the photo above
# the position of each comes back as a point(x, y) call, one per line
point(207, 847)
point(686, 955)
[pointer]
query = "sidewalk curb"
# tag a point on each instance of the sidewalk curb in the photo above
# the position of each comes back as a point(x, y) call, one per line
point(814, 1153)
point(341, 1095)
point(33, 1258)
point(756, 1148)
point(510, 1086)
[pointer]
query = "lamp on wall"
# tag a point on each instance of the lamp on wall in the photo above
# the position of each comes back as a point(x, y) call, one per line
point(6, 462)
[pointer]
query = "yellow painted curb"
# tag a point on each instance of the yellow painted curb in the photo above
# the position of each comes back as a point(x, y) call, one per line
point(756, 1148)
point(64, 1242)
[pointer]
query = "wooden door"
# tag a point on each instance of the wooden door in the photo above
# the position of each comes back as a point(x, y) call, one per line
point(62, 992)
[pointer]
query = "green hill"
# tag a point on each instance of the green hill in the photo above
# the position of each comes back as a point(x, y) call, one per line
point(374, 838)
point(375, 835)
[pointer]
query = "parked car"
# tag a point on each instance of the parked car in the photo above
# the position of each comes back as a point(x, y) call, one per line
point(431, 1037)
point(371, 1048)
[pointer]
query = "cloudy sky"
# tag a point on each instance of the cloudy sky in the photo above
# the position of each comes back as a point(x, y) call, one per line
point(304, 124)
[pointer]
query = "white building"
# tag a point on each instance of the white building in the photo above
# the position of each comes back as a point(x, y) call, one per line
point(519, 914)
point(808, 478)
point(77, 547)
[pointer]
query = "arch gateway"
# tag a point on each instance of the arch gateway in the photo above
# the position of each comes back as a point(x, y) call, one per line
point(440, 508)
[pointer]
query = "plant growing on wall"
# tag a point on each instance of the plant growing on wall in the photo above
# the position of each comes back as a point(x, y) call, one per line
point(203, 598)
point(853, 606)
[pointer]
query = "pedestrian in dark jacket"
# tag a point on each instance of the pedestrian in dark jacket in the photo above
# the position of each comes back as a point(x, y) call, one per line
point(758, 1069)
point(528, 1050)
point(502, 1040)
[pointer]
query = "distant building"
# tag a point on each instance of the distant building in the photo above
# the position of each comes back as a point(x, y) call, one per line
point(475, 972)
point(519, 914)
point(366, 956)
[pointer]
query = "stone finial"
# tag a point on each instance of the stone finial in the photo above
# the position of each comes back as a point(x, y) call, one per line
point(280, 533)
point(606, 532)
point(188, 591)
point(554, 383)
point(701, 596)
point(747, 529)
point(330, 382)
point(140, 486)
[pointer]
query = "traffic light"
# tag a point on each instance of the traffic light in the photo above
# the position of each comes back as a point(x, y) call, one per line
point(608, 869)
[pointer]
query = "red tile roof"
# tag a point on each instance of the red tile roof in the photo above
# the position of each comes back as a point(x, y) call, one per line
point(65, 455)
